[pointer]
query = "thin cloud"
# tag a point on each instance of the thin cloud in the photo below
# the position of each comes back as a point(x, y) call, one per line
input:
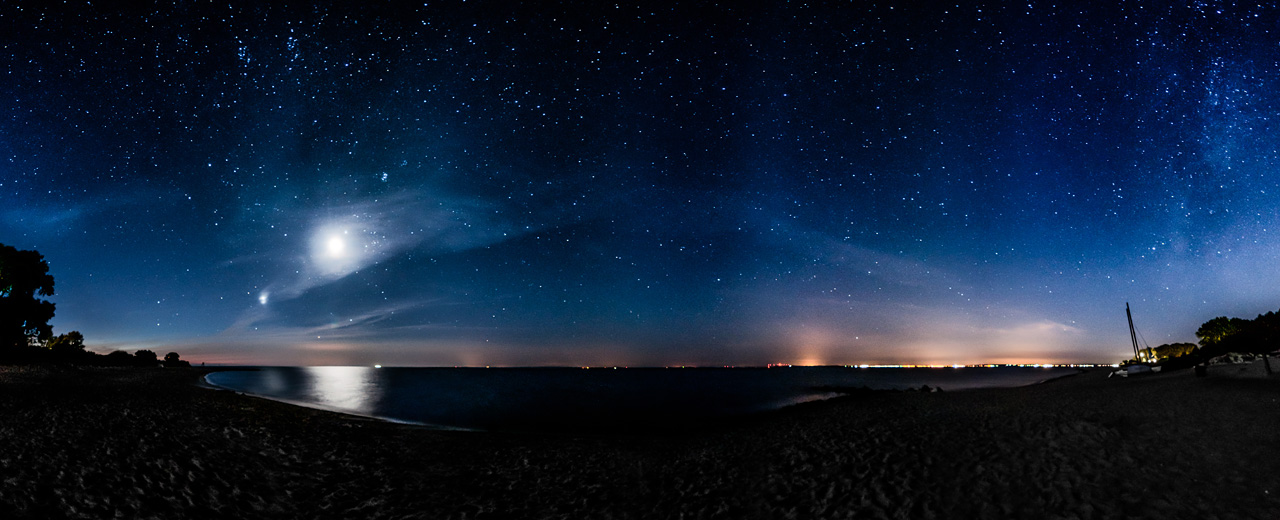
point(346, 239)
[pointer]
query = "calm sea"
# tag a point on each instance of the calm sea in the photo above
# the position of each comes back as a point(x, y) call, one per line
point(594, 399)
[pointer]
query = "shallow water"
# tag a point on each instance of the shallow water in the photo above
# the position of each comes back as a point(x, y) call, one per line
point(580, 399)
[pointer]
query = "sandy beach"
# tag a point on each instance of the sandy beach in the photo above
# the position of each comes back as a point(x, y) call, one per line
point(138, 443)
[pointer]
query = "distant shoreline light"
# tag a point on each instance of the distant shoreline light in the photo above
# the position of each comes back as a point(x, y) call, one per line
point(866, 365)
point(989, 365)
point(770, 365)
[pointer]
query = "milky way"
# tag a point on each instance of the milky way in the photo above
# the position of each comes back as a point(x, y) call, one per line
point(495, 183)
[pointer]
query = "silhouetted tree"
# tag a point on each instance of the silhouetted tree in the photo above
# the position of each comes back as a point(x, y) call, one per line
point(24, 318)
point(1257, 336)
point(171, 360)
point(145, 358)
point(1173, 350)
point(68, 347)
point(1268, 336)
point(1213, 332)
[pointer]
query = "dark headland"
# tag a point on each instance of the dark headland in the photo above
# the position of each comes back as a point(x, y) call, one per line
point(150, 443)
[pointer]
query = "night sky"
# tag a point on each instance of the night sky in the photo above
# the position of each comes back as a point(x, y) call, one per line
point(473, 183)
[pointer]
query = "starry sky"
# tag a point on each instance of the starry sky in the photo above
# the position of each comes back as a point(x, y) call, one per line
point(475, 183)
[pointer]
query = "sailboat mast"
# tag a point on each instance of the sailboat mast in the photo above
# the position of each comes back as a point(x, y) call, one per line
point(1132, 335)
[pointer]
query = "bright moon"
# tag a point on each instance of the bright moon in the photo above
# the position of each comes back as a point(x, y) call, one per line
point(336, 251)
point(336, 247)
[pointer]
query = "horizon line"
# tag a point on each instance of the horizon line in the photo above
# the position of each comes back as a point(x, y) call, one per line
point(628, 367)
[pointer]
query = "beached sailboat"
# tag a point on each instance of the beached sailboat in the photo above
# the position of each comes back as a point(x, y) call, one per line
point(1142, 364)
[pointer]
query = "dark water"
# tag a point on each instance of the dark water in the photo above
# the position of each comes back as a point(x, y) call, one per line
point(578, 399)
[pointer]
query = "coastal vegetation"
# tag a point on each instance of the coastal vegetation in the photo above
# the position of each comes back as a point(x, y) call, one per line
point(1259, 336)
point(24, 315)
point(1174, 350)
point(25, 333)
point(1221, 338)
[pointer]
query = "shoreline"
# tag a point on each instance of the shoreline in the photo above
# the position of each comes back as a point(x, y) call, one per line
point(152, 444)
point(205, 383)
point(641, 420)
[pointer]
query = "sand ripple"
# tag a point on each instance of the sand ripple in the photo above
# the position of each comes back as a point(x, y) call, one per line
point(148, 444)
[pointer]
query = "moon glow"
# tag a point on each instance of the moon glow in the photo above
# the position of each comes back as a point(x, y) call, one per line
point(335, 251)
point(336, 247)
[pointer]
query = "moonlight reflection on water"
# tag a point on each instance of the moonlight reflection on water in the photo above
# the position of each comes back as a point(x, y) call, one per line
point(345, 388)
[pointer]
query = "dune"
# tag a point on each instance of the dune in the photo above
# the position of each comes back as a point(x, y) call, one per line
point(140, 443)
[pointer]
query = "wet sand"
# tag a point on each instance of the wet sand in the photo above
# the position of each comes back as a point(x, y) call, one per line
point(152, 444)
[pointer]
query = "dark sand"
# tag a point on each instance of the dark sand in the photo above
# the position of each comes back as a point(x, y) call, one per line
point(150, 444)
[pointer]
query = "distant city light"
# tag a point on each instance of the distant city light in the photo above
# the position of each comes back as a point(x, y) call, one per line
point(868, 365)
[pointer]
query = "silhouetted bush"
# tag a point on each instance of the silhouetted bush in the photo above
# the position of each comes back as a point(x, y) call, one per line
point(118, 358)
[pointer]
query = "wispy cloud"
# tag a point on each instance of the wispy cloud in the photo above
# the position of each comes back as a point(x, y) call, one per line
point(344, 249)
point(345, 239)
point(42, 219)
point(896, 269)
